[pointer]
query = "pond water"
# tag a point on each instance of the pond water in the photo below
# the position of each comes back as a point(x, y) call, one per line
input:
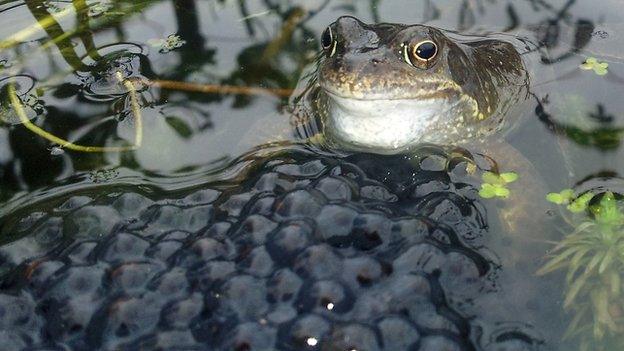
point(154, 195)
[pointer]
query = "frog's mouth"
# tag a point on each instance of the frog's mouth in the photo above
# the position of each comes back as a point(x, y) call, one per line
point(391, 125)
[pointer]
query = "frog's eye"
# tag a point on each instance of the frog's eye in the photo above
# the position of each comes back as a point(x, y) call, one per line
point(425, 50)
point(327, 39)
point(328, 42)
point(420, 54)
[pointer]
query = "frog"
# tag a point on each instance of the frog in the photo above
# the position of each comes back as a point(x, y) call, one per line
point(390, 88)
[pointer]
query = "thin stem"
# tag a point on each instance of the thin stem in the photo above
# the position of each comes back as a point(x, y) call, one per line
point(218, 89)
point(19, 110)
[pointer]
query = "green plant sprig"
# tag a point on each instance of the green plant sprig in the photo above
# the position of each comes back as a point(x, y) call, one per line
point(593, 255)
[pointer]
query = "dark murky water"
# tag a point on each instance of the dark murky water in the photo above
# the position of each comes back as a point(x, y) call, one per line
point(192, 240)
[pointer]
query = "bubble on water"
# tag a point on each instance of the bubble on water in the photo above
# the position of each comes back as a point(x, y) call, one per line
point(99, 8)
point(56, 151)
point(104, 81)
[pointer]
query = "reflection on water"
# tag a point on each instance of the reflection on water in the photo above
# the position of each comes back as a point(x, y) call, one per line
point(76, 68)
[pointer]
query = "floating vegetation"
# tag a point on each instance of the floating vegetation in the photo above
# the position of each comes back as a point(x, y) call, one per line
point(566, 197)
point(593, 257)
point(167, 44)
point(495, 185)
point(592, 63)
point(56, 151)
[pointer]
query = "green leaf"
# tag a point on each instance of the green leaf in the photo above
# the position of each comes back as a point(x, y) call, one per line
point(562, 197)
point(615, 281)
point(575, 263)
point(568, 194)
point(598, 257)
point(606, 261)
point(580, 204)
point(555, 198)
point(574, 326)
point(600, 300)
point(487, 191)
point(492, 178)
point(556, 262)
point(585, 66)
point(501, 191)
point(509, 177)
point(574, 289)
point(180, 126)
point(578, 234)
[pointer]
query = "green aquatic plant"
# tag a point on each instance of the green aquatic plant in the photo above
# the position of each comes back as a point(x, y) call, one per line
point(495, 185)
point(593, 256)
point(566, 197)
point(592, 63)
point(562, 197)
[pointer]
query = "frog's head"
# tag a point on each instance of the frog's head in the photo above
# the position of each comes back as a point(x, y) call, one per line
point(386, 87)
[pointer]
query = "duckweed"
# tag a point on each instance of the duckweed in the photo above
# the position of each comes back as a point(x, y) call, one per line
point(566, 197)
point(495, 185)
point(592, 63)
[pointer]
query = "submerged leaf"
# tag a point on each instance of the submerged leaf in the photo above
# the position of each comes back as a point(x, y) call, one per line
point(574, 289)
point(575, 263)
point(574, 326)
point(606, 262)
point(600, 300)
point(557, 262)
point(615, 281)
point(180, 126)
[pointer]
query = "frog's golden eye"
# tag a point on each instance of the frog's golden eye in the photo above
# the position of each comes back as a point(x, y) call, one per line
point(421, 53)
point(328, 42)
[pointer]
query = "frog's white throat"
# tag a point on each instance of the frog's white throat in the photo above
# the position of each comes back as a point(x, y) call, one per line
point(390, 125)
